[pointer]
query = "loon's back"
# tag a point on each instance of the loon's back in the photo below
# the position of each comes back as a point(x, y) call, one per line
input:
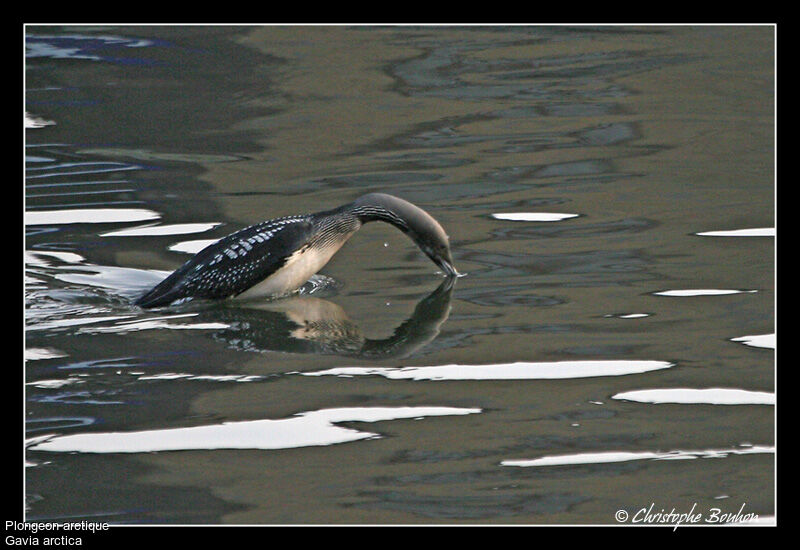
point(235, 263)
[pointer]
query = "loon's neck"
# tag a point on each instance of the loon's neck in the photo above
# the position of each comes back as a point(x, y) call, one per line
point(384, 208)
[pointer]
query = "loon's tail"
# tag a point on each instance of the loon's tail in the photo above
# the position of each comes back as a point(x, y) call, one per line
point(162, 294)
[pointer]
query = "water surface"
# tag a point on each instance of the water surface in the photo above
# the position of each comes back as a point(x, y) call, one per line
point(609, 193)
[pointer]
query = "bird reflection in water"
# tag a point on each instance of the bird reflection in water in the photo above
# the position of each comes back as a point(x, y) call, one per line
point(307, 324)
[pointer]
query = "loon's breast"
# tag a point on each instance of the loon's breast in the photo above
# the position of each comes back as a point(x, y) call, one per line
point(298, 268)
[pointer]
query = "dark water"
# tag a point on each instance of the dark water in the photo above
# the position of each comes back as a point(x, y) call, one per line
point(563, 379)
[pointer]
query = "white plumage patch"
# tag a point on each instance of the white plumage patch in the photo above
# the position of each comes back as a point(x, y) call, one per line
point(298, 269)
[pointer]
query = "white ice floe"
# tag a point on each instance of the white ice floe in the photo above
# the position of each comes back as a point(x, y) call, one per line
point(89, 215)
point(302, 430)
point(502, 371)
point(755, 232)
point(757, 341)
point(702, 292)
point(622, 456)
point(534, 216)
point(192, 247)
point(159, 230)
point(712, 396)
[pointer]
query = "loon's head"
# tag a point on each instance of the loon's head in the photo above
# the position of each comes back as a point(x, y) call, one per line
point(423, 229)
point(433, 241)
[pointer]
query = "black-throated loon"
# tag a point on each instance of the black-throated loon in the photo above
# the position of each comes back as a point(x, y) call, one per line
point(275, 257)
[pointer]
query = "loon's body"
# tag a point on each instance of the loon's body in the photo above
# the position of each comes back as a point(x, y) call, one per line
point(275, 257)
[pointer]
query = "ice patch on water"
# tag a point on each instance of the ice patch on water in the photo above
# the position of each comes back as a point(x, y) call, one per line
point(302, 430)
